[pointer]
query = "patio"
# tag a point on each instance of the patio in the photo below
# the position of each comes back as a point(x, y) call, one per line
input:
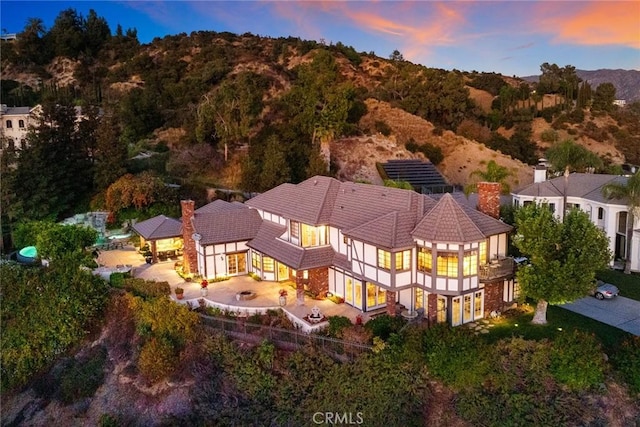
point(224, 294)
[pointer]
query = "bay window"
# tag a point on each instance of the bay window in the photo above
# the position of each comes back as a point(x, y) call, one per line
point(425, 260)
point(384, 259)
point(403, 260)
point(447, 264)
point(470, 263)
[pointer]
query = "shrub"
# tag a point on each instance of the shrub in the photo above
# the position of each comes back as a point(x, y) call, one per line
point(117, 280)
point(383, 326)
point(383, 127)
point(627, 362)
point(549, 135)
point(577, 360)
point(147, 289)
point(337, 325)
point(456, 356)
point(158, 358)
point(83, 377)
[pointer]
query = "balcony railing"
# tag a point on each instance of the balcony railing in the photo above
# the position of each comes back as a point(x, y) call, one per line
point(502, 268)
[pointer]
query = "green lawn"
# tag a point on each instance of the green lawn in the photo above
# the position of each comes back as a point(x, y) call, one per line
point(629, 284)
point(559, 320)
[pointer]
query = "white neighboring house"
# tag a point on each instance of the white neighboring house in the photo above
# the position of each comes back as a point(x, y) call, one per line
point(584, 191)
point(15, 125)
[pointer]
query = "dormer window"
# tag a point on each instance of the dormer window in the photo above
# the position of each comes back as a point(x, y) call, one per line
point(295, 229)
point(313, 236)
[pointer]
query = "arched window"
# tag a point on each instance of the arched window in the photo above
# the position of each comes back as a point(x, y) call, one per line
point(11, 144)
point(21, 123)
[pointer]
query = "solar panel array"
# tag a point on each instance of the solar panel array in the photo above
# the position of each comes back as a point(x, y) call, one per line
point(423, 176)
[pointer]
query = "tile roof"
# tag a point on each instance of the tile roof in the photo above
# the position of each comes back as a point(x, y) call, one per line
point(158, 227)
point(390, 231)
point(310, 202)
point(451, 222)
point(357, 204)
point(584, 185)
point(219, 205)
point(227, 225)
point(267, 242)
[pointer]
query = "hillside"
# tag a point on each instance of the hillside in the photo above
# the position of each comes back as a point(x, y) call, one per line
point(251, 112)
point(626, 82)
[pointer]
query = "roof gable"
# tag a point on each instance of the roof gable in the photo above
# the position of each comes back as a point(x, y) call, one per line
point(310, 202)
point(448, 222)
point(227, 225)
point(158, 227)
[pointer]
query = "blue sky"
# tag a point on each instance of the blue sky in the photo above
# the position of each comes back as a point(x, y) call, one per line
point(508, 37)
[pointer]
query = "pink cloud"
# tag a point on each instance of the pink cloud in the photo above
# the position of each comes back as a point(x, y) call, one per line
point(592, 23)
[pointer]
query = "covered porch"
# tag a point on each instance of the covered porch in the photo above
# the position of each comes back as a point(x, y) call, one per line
point(163, 235)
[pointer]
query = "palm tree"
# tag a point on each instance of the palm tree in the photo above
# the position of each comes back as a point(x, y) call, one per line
point(570, 156)
point(493, 173)
point(631, 192)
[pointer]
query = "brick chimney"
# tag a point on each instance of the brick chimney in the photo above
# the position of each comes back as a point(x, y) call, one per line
point(189, 257)
point(489, 198)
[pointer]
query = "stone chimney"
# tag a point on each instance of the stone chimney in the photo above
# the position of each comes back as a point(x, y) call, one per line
point(540, 173)
point(189, 257)
point(489, 198)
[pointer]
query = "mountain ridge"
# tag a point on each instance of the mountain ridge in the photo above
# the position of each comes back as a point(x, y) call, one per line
point(626, 82)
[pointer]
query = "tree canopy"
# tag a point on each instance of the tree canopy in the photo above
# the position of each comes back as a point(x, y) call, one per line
point(564, 255)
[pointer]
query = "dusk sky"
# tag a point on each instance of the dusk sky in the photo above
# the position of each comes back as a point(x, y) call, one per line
point(508, 37)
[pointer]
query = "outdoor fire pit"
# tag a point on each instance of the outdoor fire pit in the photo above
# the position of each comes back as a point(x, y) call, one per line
point(245, 295)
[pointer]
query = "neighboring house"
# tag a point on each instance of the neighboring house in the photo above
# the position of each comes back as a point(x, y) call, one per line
point(379, 248)
point(15, 123)
point(584, 191)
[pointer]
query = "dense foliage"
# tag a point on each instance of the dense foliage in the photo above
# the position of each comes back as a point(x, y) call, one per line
point(56, 241)
point(44, 313)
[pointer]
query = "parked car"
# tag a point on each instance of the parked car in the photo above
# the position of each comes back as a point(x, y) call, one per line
point(605, 290)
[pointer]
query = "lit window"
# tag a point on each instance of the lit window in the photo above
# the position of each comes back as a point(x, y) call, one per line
point(314, 236)
point(447, 264)
point(477, 307)
point(470, 263)
point(482, 256)
point(425, 260)
point(305, 274)
point(255, 260)
point(403, 260)
point(419, 302)
point(295, 229)
point(384, 259)
point(267, 264)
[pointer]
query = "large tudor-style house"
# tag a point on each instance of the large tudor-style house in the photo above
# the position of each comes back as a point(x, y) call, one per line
point(379, 248)
point(584, 191)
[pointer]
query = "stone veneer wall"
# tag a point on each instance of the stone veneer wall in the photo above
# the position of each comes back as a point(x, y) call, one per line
point(489, 198)
point(493, 297)
point(391, 303)
point(318, 282)
point(432, 309)
point(189, 255)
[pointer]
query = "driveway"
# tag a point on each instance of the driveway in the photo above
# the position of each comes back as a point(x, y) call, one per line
point(621, 312)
